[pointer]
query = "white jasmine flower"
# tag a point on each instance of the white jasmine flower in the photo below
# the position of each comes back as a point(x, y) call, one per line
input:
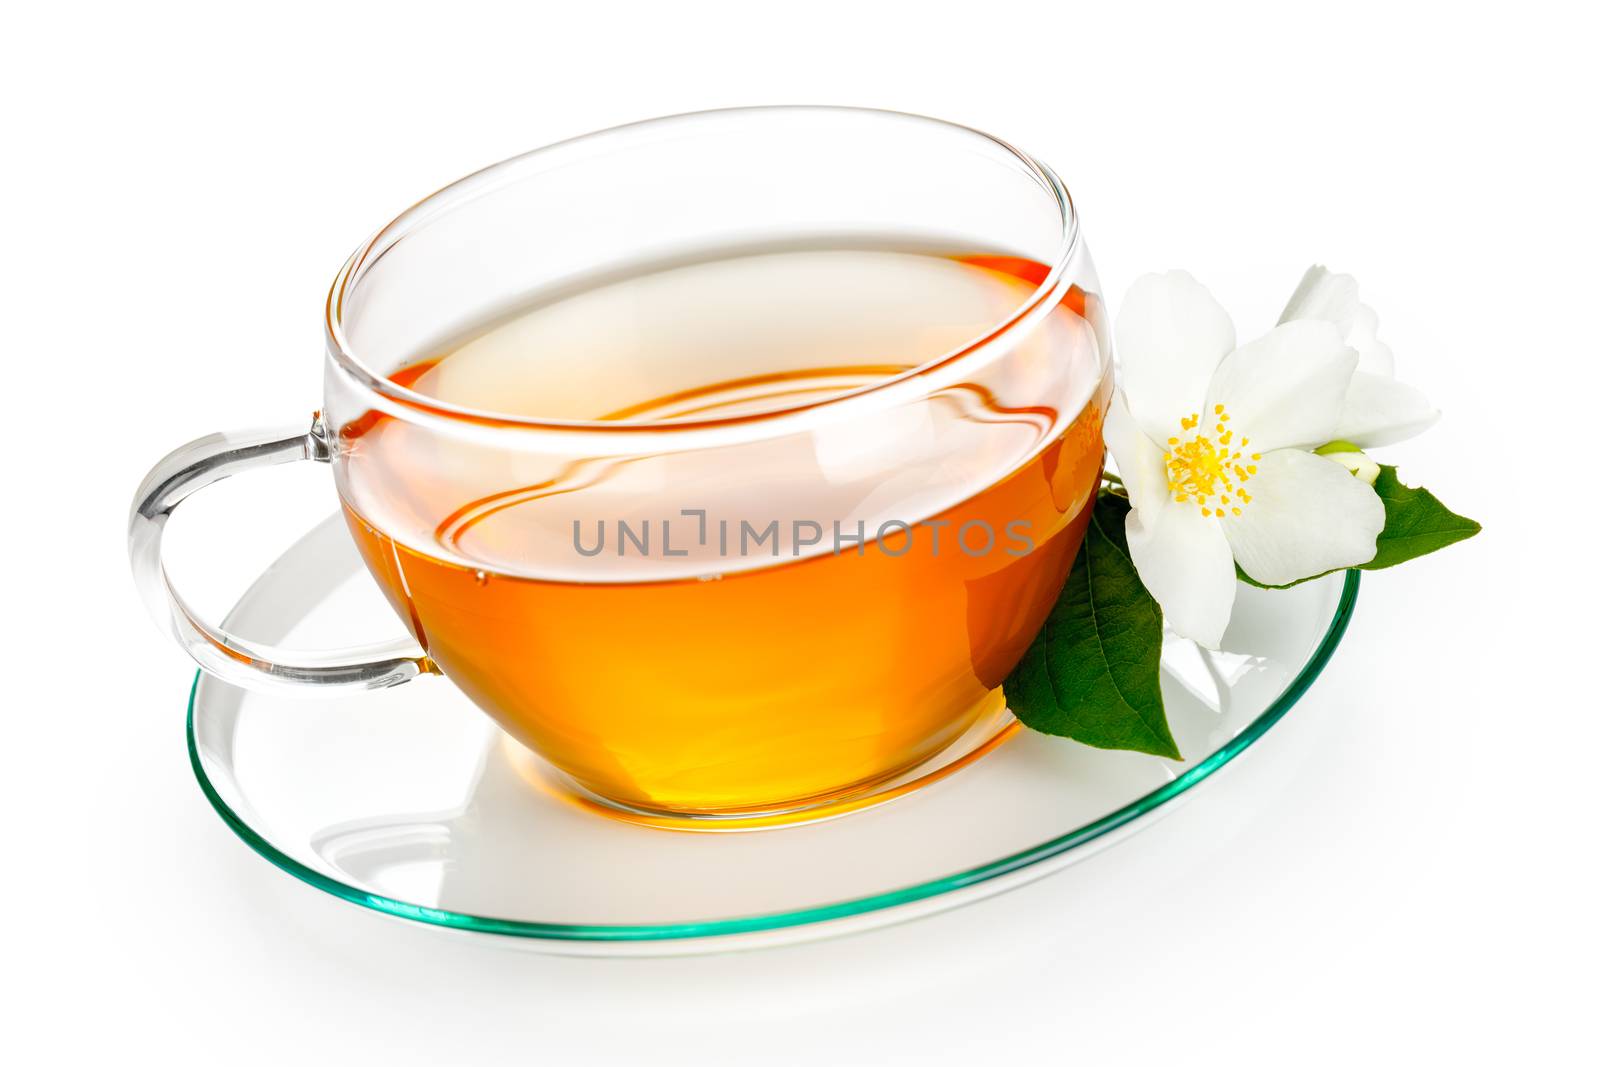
point(1377, 410)
point(1214, 445)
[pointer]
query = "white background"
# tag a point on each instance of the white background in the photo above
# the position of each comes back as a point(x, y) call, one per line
point(1403, 871)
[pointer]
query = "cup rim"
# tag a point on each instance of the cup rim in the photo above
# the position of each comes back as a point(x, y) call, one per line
point(495, 174)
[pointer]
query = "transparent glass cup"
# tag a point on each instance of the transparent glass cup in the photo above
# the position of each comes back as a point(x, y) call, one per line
point(722, 615)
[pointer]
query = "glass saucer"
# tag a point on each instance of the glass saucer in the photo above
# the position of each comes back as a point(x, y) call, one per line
point(412, 803)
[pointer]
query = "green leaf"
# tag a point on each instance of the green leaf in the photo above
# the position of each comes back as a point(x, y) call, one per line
point(1093, 672)
point(1414, 524)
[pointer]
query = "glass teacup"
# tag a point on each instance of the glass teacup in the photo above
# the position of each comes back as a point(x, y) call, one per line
point(729, 461)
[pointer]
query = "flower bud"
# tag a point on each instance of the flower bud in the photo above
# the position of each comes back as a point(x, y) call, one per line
point(1361, 465)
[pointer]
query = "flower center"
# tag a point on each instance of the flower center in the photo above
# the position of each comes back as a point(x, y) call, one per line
point(1210, 469)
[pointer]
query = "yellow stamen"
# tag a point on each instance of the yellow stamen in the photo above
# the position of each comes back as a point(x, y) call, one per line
point(1201, 467)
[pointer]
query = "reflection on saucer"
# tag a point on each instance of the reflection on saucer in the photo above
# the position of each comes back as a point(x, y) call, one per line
point(411, 801)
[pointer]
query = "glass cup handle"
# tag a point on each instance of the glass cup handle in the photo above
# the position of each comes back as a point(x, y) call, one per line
point(229, 657)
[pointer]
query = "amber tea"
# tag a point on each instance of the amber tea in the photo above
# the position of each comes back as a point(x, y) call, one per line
point(682, 637)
